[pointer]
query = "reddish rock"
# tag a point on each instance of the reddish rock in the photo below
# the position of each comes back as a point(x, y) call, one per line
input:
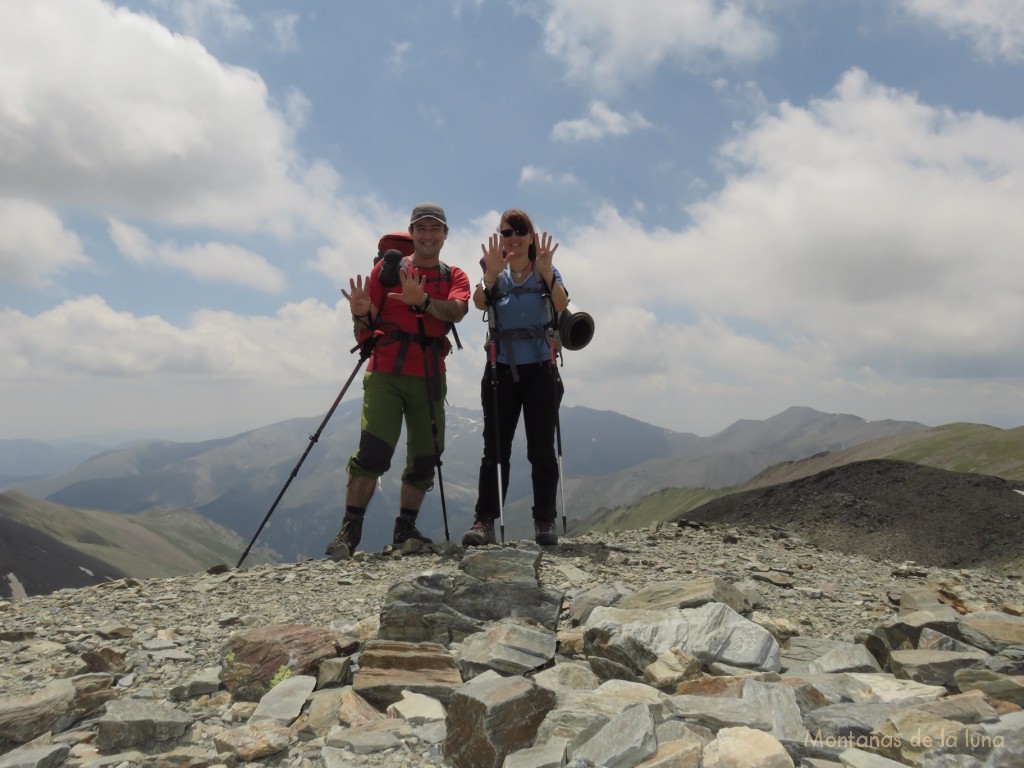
point(387, 667)
point(253, 659)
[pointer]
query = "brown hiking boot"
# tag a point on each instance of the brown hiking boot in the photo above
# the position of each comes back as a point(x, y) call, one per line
point(544, 531)
point(480, 534)
point(344, 544)
point(405, 530)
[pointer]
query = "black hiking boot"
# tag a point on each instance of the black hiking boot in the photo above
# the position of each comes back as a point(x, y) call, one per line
point(405, 529)
point(481, 534)
point(344, 544)
point(544, 531)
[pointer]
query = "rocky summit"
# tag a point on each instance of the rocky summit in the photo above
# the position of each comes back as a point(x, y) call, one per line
point(682, 646)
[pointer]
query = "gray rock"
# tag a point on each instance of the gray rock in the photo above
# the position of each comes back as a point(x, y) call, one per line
point(858, 758)
point(417, 709)
point(569, 675)
point(205, 683)
point(849, 722)
point(847, 657)
point(685, 594)
point(932, 667)
point(625, 740)
point(797, 653)
point(284, 702)
point(1002, 687)
point(49, 756)
point(581, 604)
point(777, 704)
point(368, 738)
point(251, 743)
point(548, 755)
point(717, 713)
point(713, 633)
point(129, 723)
point(747, 747)
point(507, 647)
point(992, 631)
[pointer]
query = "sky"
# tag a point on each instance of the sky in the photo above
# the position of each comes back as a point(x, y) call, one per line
point(761, 203)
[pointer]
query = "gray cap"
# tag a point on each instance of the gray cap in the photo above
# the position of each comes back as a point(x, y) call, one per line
point(428, 211)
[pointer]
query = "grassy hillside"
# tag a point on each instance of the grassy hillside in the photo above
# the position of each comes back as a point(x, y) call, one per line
point(959, 447)
point(655, 508)
point(152, 544)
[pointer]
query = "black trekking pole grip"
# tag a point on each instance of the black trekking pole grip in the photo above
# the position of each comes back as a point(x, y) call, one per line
point(365, 349)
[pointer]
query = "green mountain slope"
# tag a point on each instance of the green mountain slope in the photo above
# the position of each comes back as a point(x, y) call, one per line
point(151, 544)
point(959, 447)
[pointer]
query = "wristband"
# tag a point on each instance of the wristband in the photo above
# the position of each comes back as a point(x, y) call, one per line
point(422, 307)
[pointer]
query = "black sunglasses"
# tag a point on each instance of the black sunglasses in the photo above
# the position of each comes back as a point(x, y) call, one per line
point(520, 231)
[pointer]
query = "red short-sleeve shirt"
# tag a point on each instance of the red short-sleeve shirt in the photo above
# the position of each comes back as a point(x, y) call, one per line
point(396, 316)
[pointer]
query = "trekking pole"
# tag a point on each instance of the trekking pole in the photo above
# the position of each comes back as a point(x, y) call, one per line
point(492, 322)
point(554, 394)
point(558, 425)
point(365, 348)
point(561, 473)
point(433, 420)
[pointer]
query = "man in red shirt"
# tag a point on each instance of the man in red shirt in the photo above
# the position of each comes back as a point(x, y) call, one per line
point(409, 305)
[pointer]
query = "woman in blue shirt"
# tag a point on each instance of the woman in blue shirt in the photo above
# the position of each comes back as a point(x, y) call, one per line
point(521, 293)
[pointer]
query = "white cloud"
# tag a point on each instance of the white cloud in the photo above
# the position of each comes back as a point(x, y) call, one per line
point(88, 365)
point(86, 337)
point(607, 43)
point(104, 107)
point(399, 52)
point(200, 16)
point(285, 28)
point(216, 262)
point(866, 246)
point(996, 27)
point(34, 245)
point(532, 174)
point(601, 121)
point(298, 108)
point(746, 97)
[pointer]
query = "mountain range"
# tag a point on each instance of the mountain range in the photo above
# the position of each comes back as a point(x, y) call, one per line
point(608, 459)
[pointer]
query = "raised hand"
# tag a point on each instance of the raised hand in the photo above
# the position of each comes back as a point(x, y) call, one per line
point(494, 257)
point(414, 286)
point(545, 255)
point(358, 295)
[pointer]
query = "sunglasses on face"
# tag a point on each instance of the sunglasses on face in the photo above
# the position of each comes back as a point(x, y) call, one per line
point(519, 231)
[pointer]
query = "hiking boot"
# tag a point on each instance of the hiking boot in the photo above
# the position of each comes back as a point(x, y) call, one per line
point(481, 534)
point(405, 530)
point(544, 532)
point(344, 544)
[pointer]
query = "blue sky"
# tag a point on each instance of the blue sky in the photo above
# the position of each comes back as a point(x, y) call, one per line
point(763, 203)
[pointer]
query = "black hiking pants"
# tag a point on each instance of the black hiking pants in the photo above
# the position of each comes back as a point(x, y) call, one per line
point(537, 395)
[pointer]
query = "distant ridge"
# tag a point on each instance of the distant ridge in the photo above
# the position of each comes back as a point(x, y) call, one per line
point(46, 546)
point(965, 448)
point(888, 509)
point(34, 563)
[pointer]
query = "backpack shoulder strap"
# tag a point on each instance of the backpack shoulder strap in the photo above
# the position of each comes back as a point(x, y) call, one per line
point(445, 275)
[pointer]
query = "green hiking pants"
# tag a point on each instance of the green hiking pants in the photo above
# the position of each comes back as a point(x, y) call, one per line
point(388, 400)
